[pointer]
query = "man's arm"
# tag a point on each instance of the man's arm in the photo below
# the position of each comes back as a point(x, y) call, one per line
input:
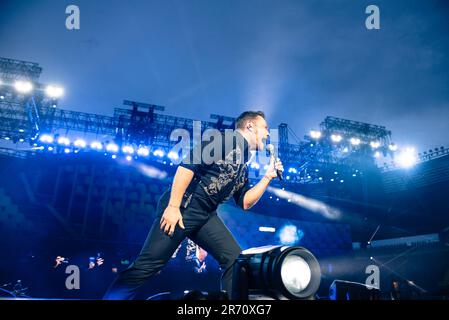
point(181, 181)
point(255, 193)
point(172, 214)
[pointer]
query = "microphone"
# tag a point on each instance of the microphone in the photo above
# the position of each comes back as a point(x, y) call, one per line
point(273, 157)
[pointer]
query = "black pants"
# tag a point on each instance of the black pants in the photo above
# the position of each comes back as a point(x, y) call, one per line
point(205, 228)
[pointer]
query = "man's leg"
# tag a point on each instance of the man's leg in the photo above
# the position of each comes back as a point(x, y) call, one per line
point(216, 239)
point(157, 250)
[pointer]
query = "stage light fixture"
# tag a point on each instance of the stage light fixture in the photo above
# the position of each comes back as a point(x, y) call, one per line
point(64, 141)
point(393, 147)
point(336, 138)
point(112, 147)
point(23, 86)
point(375, 144)
point(54, 91)
point(278, 272)
point(128, 149)
point(292, 170)
point(96, 145)
point(267, 229)
point(159, 153)
point(173, 155)
point(255, 165)
point(143, 152)
point(315, 134)
point(355, 141)
point(407, 158)
point(80, 143)
point(46, 138)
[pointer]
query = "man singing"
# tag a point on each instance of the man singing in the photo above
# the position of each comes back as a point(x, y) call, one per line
point(188, 208)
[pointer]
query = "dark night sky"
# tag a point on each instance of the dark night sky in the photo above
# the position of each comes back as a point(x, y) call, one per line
point(297, 60)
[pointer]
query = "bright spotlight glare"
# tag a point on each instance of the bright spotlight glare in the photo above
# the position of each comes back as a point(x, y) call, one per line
point(64, 141)
point(128, 158)
point(307, 203)
point(23, 86)
point(336, 137)
point(393, 147)
point(355, 141)
point(255, 165)
point(46, 138)
point(289, 235)
point(407, 158)
point(159, 153)
point(267, 229)
point(292, 170)
point(173, 155)
point(375, 144)
point(96, 145)
point(377, 154)
point(315, 134)
point(143, 151)
point(80, 143)
point(128, 149)
point(295, 273)
point(54, 92)
point(112, 147)
point(67, 150)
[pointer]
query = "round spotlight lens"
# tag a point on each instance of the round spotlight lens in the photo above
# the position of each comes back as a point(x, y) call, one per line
point(295, 274)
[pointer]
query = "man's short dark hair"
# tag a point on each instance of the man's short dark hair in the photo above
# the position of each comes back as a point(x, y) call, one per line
point(247, 116)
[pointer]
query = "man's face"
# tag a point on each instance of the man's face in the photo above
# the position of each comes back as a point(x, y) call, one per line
point(260, 131)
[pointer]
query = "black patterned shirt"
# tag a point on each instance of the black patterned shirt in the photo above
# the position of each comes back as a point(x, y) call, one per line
point(221, 177)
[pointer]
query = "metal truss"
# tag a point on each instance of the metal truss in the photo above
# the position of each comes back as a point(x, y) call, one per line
point(11, 69)
point(349, 128)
